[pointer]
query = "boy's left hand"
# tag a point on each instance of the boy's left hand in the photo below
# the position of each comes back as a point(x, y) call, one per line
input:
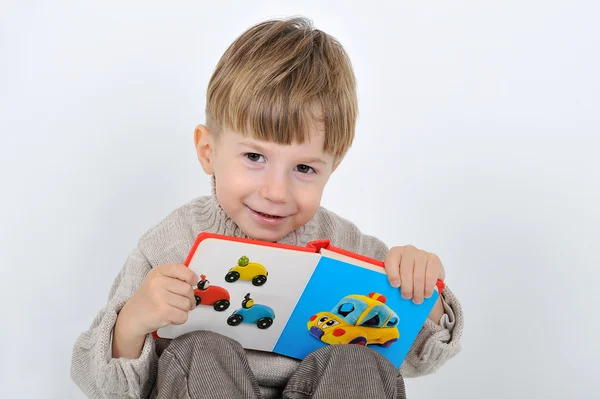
point(413, 270)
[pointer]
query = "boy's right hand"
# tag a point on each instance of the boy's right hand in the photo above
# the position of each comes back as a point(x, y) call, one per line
point(165, 297)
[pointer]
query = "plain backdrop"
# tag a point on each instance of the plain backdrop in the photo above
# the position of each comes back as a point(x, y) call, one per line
point(478, 140)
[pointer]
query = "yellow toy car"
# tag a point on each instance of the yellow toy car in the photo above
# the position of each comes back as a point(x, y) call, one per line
point(357, 319)
point(245, 270)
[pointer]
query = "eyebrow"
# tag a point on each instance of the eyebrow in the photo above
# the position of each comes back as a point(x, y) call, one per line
point(314, 160)
point(261, 149)
point(253, 145)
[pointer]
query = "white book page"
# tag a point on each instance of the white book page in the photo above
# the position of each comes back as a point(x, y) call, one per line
point(351, 260)
point(288, 274)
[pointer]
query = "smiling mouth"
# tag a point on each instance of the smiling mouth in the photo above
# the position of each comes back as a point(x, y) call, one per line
point(266, 214)
point(269, 216)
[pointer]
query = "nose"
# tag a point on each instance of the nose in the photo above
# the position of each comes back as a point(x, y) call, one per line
point(275, 188)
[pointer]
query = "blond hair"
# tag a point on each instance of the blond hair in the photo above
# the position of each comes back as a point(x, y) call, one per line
point(278, 79)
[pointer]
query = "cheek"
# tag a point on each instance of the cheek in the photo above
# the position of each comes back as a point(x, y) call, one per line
point(232, 181)
point(230, 170)
point(309, 198)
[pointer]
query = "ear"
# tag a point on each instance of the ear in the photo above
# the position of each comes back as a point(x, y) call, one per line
point(204, 143)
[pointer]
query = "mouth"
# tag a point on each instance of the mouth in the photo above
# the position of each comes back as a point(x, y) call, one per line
point(266, 215)
point(269, 215)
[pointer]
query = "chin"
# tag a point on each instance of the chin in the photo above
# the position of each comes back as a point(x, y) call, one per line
point(266, 235)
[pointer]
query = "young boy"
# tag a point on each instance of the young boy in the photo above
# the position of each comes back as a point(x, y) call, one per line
point(280, 116)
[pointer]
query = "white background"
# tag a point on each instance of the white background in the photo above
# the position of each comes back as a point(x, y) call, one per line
point(477, 140)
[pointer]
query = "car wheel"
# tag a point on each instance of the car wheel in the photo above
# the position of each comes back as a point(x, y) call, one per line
point(198, 300)
point(259, 280)
point(221, 305)
point(388, 343)
point(232, 276)
point(359, 341)
point(234, 319)
point(264, 323)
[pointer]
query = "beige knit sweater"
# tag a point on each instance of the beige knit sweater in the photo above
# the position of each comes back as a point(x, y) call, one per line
point(100, 376)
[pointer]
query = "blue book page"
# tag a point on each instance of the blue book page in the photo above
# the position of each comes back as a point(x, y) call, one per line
point(335, 308)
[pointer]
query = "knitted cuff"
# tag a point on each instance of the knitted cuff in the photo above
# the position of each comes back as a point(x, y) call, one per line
point(120, 376)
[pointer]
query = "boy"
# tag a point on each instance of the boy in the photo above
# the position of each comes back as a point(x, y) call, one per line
point(280, 116)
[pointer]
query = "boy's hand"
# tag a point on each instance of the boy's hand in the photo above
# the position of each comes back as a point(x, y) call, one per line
point(413, 270)
point(165, 297)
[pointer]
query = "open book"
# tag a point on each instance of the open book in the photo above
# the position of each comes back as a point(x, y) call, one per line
point(293, 300)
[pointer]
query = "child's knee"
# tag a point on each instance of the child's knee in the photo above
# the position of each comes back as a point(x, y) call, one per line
point(352, 352)
point(352, 356)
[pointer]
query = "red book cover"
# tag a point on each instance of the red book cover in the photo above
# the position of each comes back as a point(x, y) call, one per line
point(292, 300)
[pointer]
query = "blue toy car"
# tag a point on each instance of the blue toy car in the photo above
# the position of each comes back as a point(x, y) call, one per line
point(252, 313)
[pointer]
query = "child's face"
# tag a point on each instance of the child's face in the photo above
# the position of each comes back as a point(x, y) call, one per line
point(267, 189)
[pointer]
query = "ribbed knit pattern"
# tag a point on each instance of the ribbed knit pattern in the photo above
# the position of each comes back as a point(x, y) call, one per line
point(100, 376)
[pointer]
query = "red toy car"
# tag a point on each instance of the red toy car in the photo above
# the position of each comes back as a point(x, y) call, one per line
point(211, 295)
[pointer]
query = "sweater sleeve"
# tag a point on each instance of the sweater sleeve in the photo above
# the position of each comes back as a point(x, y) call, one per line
point(435, 344)
point(93, 368)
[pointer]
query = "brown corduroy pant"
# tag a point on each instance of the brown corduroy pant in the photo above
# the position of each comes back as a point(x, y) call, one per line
point(203, 364)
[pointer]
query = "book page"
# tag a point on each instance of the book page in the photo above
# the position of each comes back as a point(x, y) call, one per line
point(273, 277)
point(351, 260)
point(348, 301)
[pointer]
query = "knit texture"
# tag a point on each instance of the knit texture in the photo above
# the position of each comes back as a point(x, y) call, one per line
point(100, 376)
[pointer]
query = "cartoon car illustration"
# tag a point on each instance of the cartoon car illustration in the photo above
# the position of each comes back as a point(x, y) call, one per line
point(211, 295)
point(357, 319)
point(250, 312)
point(246, 270)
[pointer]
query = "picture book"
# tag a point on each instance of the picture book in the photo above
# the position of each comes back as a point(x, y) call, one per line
point(294, 300)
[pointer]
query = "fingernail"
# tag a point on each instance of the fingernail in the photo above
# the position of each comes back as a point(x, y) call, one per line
point(417, 301)
point(405, 295)
point(396, 282)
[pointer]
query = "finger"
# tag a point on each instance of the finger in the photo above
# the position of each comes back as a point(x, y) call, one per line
point(178, 287)
point(183, 289)
point(179, 316)
point(179, 302)
point(419, 277)
point(431, 275)
point(180, 272)
point(406, 272)
point(392, 262)
point(192, 297)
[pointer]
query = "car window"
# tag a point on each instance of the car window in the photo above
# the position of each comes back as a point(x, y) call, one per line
point(392, 322)
point(345, 309)
point(372, 322)
point(376, 316)
point(350, 309)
